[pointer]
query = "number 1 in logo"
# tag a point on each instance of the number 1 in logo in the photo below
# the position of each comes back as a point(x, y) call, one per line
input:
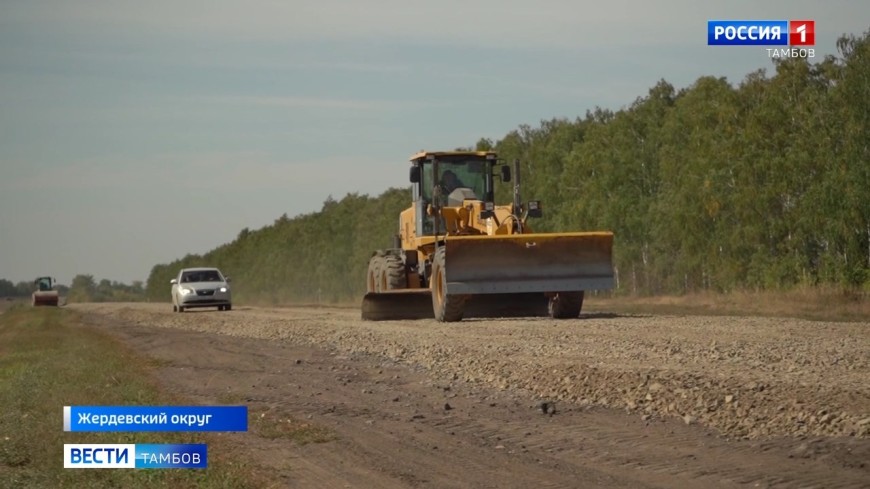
point(802, 32)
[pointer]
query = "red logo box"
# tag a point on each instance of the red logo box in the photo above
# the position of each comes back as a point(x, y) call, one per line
point(802, 32)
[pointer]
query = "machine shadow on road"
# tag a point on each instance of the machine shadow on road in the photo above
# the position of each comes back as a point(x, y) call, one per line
point(583, 316)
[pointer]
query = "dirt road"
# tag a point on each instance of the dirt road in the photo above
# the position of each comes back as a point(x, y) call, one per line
point(604, 401)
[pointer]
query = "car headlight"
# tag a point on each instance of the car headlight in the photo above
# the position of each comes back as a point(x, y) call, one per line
point(223, 289)
point(185, 291)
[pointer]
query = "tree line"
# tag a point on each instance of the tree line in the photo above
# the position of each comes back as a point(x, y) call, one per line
point(84, 288)
point(760, 185)
point(21, 289)
point(319, 257)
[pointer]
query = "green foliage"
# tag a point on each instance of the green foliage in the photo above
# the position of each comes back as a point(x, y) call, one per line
point(762, 185)
point(7, 288)
point(24, 288)
point(316, 257)
point(50, 357)
point(21, 289)
point(484, 144)
point(84, 288)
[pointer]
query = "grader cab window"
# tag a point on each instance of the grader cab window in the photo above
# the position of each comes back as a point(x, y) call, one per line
point(427, 182)
point(454, 174)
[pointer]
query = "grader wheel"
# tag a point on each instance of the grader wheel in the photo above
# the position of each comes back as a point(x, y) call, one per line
point(448, 308)
point(392, 274)
point(566, 305)
point(373, 275)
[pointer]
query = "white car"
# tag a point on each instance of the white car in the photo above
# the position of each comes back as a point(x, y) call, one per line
point(201, 287)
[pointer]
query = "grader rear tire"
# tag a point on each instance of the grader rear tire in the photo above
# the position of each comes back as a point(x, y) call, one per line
point(392, 274)
point(373, 275)
point(447, 308)
point(566, 305)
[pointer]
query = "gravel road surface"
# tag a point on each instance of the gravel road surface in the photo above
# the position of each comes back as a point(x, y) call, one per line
point(603, 401)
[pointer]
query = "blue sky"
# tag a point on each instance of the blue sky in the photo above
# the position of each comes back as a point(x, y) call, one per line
point(133, 133)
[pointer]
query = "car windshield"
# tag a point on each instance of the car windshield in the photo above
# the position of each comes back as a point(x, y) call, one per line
point(201, 276)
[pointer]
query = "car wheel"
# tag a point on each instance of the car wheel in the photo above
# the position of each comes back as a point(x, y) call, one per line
point(228, 307)
point(180, 308)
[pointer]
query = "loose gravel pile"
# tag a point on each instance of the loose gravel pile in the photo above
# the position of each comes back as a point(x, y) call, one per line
point(747, 377)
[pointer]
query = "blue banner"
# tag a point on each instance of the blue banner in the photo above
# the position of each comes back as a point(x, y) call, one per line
point(747, 33)
point(155, 418)
point(139, 456)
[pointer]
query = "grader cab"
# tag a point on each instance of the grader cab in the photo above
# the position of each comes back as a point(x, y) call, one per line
point(458, 254)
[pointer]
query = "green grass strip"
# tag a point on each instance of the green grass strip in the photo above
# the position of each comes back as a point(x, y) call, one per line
point(50, 359)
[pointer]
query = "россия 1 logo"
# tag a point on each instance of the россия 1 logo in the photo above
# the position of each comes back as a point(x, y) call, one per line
point(802, 32)
point(796, 33)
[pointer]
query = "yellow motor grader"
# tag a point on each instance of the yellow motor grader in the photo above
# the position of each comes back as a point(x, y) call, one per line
point(457, 254)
